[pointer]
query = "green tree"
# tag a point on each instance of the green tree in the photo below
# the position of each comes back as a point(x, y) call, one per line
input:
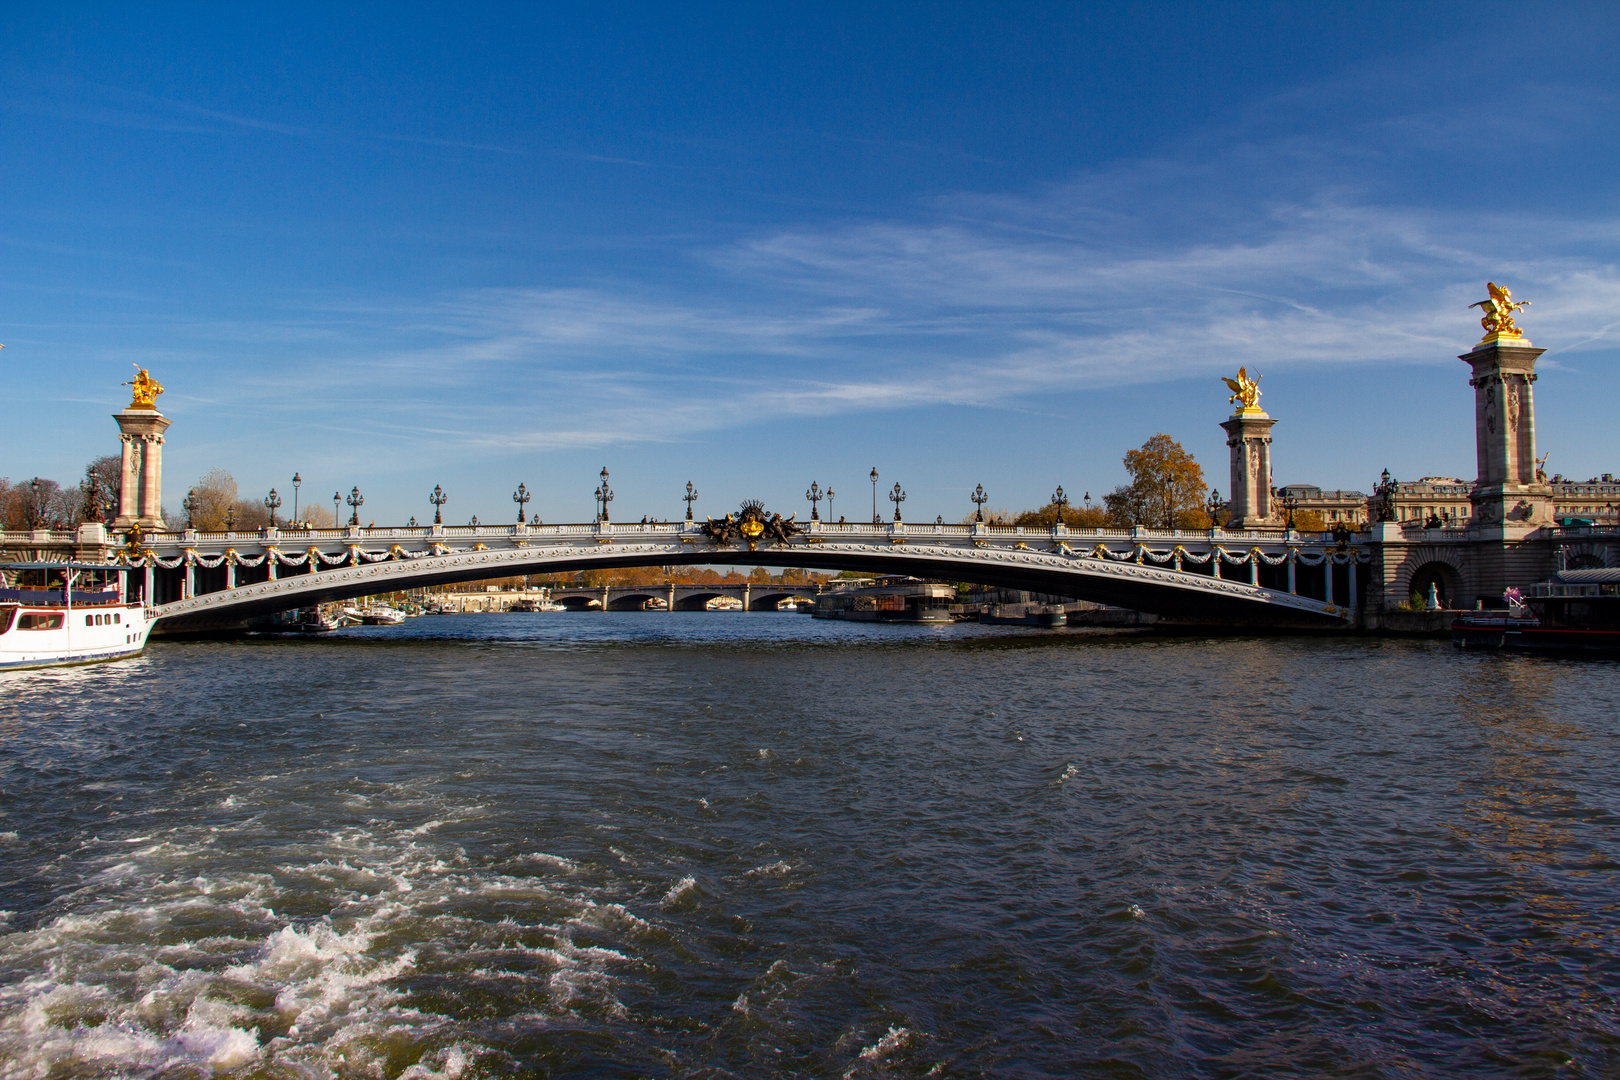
point(1166, 490)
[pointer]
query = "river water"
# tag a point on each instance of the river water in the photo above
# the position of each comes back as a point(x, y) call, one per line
point(755, 845)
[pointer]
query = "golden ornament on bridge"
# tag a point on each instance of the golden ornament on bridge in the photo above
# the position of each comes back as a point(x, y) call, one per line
point(1499, 309)
point(752, 524)
point(146, 390)
point(1245, 391)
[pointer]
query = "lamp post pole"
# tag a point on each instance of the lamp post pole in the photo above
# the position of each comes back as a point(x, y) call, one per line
point(1061, 501)
point(897, 497)
point(813, 496)
point(979, 499)
point(189, 505)
point(874, 495)
point(355, 500)
point(296, 481)
point(272, 503)
point(691, 497)
point(604, 495)
point(438, 498)
point(337, 509)
point(521, 496)
point(829, 503)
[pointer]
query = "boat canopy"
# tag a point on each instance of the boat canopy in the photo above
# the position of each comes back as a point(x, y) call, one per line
point(1604, 576)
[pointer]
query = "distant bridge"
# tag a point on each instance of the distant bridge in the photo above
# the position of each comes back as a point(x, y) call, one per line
point(680, 597)
point(222, 580)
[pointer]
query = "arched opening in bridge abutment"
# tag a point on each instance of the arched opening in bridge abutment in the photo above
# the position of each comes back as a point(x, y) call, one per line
point(1447, 582)
point(1585, 557)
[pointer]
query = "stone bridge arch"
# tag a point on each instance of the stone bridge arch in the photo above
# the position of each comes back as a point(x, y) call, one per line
point(767, 601)
point(635, 601)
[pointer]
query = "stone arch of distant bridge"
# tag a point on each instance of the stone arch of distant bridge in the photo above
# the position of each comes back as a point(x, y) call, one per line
point(634, 601)
point(1057, 570)
point(768, 601)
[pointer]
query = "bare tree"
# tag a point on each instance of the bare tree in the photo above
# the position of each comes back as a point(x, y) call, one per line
point(102, 478)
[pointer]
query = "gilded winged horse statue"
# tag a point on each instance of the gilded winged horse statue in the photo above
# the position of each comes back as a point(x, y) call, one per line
point(1499, 311)
point(1245, 391)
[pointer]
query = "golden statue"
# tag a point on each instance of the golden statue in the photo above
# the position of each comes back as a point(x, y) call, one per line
point(146, 390)
point(1245, 391)
point(1499, 309)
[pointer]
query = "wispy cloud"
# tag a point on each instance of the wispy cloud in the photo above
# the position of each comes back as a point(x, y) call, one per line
point(1273, 250)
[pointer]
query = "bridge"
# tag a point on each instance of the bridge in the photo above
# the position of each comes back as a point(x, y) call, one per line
point(205, 581)
point(1256, 571)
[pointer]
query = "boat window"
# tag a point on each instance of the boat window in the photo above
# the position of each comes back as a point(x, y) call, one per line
point(40, 620)
point(5, 619)
point(116, 620)
point(89, 620)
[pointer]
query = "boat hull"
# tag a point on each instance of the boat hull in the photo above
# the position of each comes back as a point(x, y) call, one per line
point(33, 664)
point(1506, 634)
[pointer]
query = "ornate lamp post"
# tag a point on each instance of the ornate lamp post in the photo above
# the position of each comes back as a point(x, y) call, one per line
point(1213, 507)
point(604, 495)
point(1290, 505)
point(355, 500)
point(874, 495)
point(521, 496)
point(189, 505)
point(296, 481)
point(474, 521)
point(813, 495)
point(337, 508)
point(35, 516)
point(1061, 501)
point(272, 502)
point(230, 519)
point(897, 497)
point(1385, 492)
point(691, 497)
point(829, 503)
point(979, 499)
point(438, 498)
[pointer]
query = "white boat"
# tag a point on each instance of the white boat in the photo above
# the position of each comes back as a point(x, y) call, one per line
point(57, 614)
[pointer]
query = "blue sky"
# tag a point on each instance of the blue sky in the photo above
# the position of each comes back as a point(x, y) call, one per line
point(752, 246)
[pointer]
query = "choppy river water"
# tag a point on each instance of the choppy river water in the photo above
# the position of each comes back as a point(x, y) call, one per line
point(716, 845)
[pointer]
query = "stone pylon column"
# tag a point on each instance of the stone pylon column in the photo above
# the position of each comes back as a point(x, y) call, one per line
point(1248, 433)
point(140, 485)
point(1510, 493)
